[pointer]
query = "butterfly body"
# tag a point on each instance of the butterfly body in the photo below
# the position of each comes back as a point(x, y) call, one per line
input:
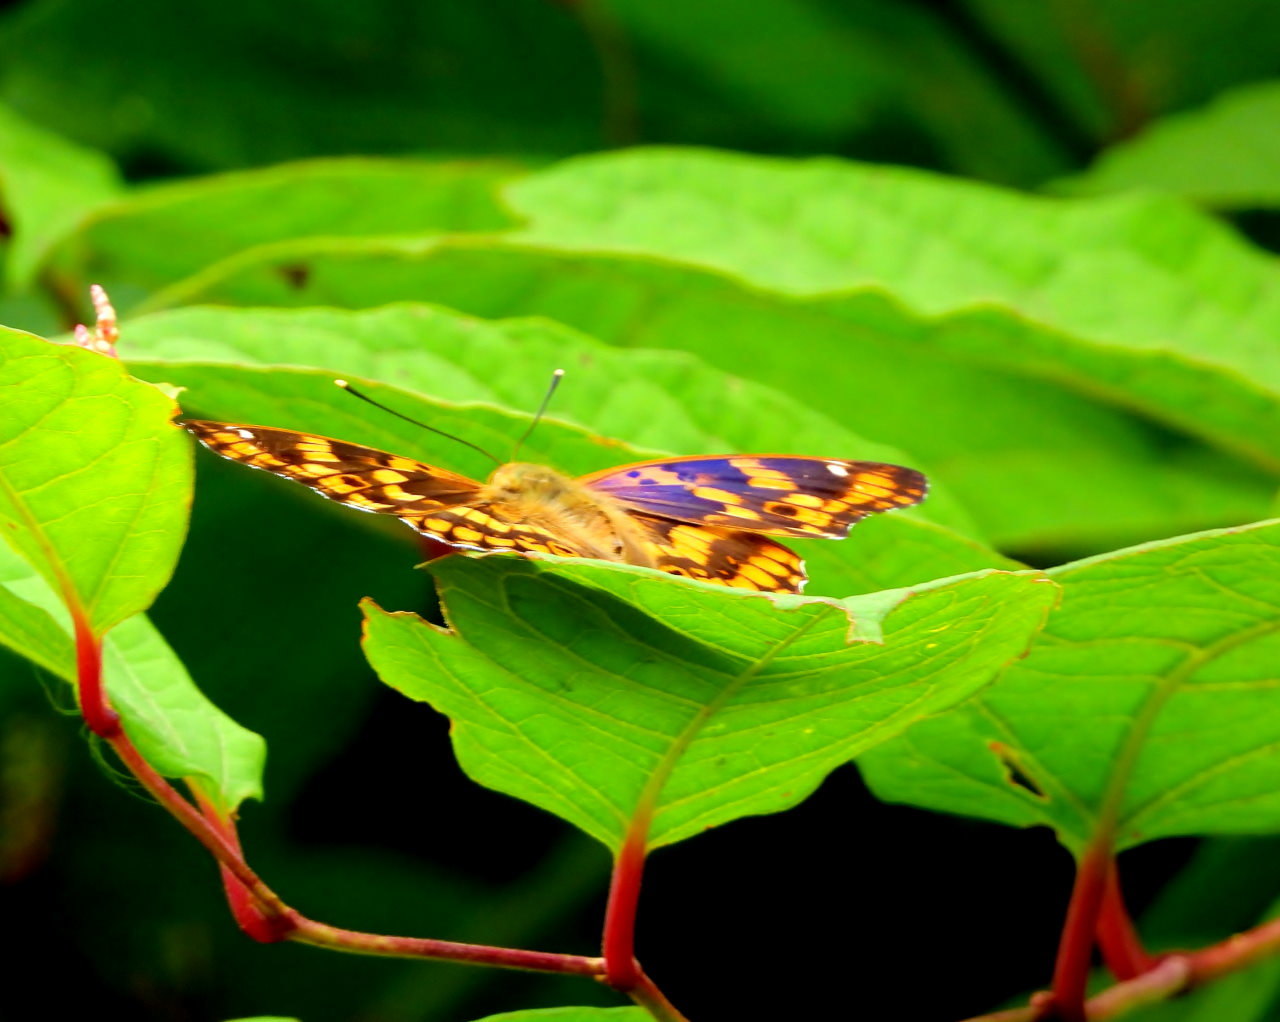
point(708, 518)
point(574, 518)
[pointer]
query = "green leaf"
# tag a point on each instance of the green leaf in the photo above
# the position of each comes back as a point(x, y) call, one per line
point(167, 232)
point(592, 690)
point(481, 380)
point(173, 724)
point(794, 75)
point(95, 480)
point(46, 185)
point(1149, 698)
point(1225, 155)
point(1113, 63)
point(1088, 293)
point(25, 627)
point(571, 1015)
point(203, 85)
point(996, 336)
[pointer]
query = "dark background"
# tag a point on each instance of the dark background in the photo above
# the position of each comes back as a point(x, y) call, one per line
point(849, 907)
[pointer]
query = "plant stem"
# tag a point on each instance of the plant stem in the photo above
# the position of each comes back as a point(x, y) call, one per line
point(647, 995)
point(258, 921)
point(260, 901)
point(622, 971)
point(98, 715)
point(1071, 970)
point(1118, 940)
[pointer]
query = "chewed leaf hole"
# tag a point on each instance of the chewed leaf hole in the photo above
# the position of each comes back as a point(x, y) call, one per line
point(1014, 774)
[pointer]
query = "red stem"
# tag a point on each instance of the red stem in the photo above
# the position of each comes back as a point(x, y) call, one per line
point(1071, 970)
point(261, 922)
point(101, 719)
point(1118, 940)
point(222, 842)
point(621, 970)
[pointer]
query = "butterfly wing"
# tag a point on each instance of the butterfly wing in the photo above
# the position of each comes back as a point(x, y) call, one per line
point(486, 528)
point(360, 477)
point(730, 557)
point(772, 494)
point(442, 505)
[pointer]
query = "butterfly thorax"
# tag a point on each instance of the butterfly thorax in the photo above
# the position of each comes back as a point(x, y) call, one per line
point(589, 521)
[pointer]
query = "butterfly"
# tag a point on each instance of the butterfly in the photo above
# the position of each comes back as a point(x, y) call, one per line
point(709, 518)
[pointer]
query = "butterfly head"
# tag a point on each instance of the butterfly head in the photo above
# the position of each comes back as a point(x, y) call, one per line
point(518, 481)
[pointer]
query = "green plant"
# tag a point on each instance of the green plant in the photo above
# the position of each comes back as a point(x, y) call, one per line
point(1075, 375)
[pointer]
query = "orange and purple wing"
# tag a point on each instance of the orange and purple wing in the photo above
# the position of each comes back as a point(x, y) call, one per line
point(730, 557)
point(772, 494)
point(483, 527)
point(360, 477)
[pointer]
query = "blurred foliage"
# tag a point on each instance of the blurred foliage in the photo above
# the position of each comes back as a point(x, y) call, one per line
point(1085, 362)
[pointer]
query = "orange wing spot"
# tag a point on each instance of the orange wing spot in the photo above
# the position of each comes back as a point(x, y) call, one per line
point(360, 500)
point(441, 525)
point(691, 538)
point(243, 448)
point(395, 493)
point(318, 452)
point(771, 481)
point(742, 582)
point(465, 535)
point(730, 511)
point(761, 579)
point(502, 541)
point(386, 475)
point(406, 464)
point(560, 550)
point(810, 500)
point(313, 471)
point(719, 496)
point(773, 567)
point(800, 515)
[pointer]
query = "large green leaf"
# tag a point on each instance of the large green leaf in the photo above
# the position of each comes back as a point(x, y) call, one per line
point(203, 85)
point(571, 1015)
point(1148, 699)
point(996, 336)
point(179, 731)
point(480, 380)
point(164, 233)
point(26, 628)
point(95, 480)
point(46, 185)
point(590, 690)
point(1226, 154)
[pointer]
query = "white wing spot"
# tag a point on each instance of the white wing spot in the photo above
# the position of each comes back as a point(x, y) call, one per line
point(837, 470)
point(243, 434)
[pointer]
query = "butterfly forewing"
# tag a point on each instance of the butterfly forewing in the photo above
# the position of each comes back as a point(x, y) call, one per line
point(777, 495)
point(361, 477)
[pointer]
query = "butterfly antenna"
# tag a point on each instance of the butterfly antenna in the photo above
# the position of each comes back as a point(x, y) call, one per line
point(556, 377)
point(400, 415)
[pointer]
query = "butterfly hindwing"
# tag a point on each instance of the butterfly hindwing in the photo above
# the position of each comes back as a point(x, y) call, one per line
point(743, 560)
point(358, 476)
point(776, 495)
point(483, 527)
